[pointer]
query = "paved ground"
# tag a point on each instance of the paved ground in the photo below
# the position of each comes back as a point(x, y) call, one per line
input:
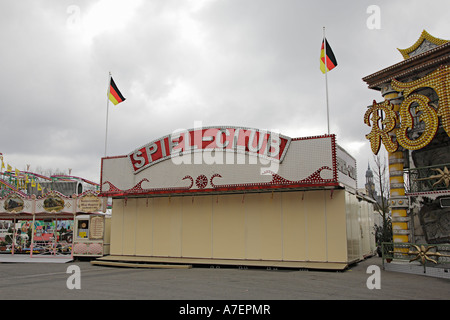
point(28, 281)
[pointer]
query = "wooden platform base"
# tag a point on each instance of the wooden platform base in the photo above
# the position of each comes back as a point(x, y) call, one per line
point(155, 262)
point(141, 265)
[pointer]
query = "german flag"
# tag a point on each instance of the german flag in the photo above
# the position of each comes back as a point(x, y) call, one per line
point(331, 59)
point(114, 94)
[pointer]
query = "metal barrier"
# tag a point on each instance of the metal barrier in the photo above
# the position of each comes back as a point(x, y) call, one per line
point(426, 179)
point(425, 254)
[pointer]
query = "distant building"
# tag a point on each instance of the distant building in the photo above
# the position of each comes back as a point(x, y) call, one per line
point(370, 185)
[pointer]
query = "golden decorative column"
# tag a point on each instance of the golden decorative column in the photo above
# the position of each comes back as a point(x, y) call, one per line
point(398, 202)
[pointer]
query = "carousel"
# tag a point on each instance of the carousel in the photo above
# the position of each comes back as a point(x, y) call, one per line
point(50, 219)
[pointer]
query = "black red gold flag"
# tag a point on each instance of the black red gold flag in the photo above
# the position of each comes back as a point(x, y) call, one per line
point(331, 61)
point(114, 94)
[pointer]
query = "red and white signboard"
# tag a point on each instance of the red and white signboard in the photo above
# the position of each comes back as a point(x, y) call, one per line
point(221, 159)
point(229, 139)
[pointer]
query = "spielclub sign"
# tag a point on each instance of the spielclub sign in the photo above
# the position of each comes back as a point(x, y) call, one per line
point(265, 144)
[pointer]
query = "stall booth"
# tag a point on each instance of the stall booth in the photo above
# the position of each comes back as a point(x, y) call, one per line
point(237, 196)
point(91, 235)
point(50, 219)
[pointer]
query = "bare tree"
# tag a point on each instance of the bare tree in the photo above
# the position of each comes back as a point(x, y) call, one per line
point(381, 181)
point(383, 232)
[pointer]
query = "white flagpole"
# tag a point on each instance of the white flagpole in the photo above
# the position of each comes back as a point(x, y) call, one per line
point(326, 79)
point(107, 109)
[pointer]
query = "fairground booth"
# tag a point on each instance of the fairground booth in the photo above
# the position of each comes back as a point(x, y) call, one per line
point(237, 196)
point(36, 225)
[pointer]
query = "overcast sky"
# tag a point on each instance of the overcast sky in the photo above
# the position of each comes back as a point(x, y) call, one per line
point(252, 63)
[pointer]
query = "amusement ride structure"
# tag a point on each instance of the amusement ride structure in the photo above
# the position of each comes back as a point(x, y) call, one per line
point(39, 214)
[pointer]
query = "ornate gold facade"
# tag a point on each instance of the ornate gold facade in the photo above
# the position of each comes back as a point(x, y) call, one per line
point(414, 116)
point(427, 113)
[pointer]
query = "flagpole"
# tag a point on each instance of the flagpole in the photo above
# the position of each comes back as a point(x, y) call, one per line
point(326, 79)
point(107, 109)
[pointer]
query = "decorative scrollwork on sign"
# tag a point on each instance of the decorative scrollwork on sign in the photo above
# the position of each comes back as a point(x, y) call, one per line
point(380, 129)
point(439, 81)
point(201, 182)
point(428, 116)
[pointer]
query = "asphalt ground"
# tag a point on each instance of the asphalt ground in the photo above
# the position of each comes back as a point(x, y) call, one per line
point(201, 285)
